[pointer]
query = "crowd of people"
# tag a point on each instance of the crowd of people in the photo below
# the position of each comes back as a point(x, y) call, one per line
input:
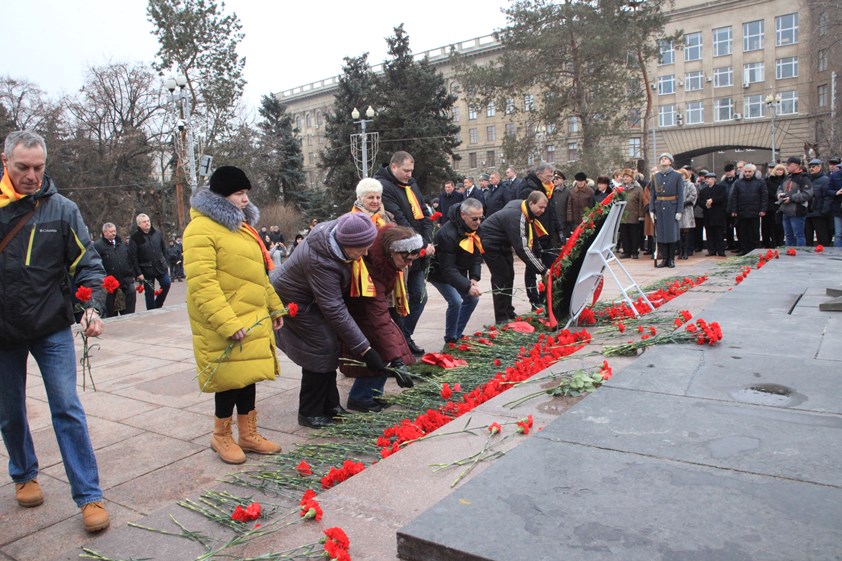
point(358, 283)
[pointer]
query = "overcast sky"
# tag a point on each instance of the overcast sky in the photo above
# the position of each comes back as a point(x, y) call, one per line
point(287, 44)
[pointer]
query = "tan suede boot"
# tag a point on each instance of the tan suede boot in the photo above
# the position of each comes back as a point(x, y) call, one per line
point(250, 439)
point(223, 444)
point(29, 494)
point(95, 517)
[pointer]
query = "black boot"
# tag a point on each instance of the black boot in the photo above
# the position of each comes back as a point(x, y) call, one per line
point(663, 250)
point(671, 253)
point(685, 239)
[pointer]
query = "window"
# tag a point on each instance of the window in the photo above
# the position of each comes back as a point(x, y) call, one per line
point(572, 124)
point(822, 60)
point(821, 94)
point(489, 109)
point(822, 27)
point(312, 156)
point(298, 122)
point(309, 140)
point(723, 109)
point(454, 88)
point(550, 153)
point(786, 68)
point(550, 128)
point(511, 130)
point(694, 112)
point(572, 151)
point(753, 35)
point(786, 30)
point(318, 120)
point(473, 136)
point(472, 113)
point(510, 106)
point(472, 160)
point(753, 106)
point(789, 103)
point(308, 118)
point(633, 118)
point(528, 102)
point(693, 81)
point(723, 77)
point(667, 53)
point(666, 115)
point(634, 147)
point(490, 159)
point(666, 84)
point(491, 133)
point(722, 41)
point(693, 46)
point(457, 115)
point(753, 72)
point(455, 164)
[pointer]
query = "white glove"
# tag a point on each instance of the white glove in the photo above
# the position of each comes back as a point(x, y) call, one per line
point(678, 216)
point(652, 216)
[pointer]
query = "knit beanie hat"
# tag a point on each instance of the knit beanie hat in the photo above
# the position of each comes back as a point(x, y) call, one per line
point(668, 156)
point(355, 229)
point(227, 180)
point(580, 176)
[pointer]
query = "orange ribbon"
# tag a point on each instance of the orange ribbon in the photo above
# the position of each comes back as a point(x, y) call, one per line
point(417, 213)
point(267, 260)
point(471, 241)
point(401, 296)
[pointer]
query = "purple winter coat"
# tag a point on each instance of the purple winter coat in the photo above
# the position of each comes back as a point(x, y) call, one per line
point(316, 279)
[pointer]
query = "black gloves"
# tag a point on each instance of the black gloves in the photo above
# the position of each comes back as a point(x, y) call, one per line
point(373, 361)
point(397, 370)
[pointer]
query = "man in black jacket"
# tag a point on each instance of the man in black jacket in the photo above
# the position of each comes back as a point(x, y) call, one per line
point(497, 196)
point(541, 180)
point(747, 203)
point(818, 228)
point(149, 256)
point(402, 197)
point(117, 263)
point(47, 255)
point(713, 198)
point(515, 227)
point(456, 268)
point(447, 199)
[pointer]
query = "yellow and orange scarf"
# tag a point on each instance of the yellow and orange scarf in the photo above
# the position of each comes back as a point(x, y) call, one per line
point(401, 296)
point(361, 283)
point(376, 218)
point(549, 187)
point(417, 213)
point(535, 226)
point(8, 194)
point(470, 242)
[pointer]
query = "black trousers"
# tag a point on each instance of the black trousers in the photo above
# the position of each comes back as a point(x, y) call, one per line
point(716, 241)
point(501, 265)
point(630, 236)
point(242, 398)
point(748, 233)
point(772, 230)
point(131, 301)
point(318, 395)
point(729, 232)
point(548, 257)
point(818, 230)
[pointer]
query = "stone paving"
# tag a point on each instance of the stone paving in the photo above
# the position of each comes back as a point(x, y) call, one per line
point(150, 427)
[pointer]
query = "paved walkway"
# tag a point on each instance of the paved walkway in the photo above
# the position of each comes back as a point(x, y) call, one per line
point(150, 427)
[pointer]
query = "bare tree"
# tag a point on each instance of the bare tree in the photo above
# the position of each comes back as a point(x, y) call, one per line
point(26, 105)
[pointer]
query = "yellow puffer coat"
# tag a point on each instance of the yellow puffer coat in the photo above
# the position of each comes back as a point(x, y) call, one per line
point(228, 290)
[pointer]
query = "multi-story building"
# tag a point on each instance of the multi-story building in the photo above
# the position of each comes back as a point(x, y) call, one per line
point(749, 73)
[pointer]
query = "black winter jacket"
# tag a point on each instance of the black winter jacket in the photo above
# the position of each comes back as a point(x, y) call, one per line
point(822, 196)
point(42, 266)
point(715, 216)
point(116, 260)
point(496, 198)
point(395, 201)
point(148, 253)
point(451, 264)
point(549, 219)
point(509, 229)
point(748, 197)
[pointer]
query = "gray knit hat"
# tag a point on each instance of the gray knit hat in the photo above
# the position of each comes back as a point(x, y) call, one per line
point(666, 155)
point(355, 229)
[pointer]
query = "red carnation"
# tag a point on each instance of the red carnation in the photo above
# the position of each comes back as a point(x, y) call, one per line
point(139, 288)
point(446, 392)
point(304, 469)
point(422, 253)
point(338, 535)
point(110, 284)
point(819, 248)
point(292, 309)
point(251, 512)
point(159, 292)
point(494, 428)
point(83, 294)
point(436, 216)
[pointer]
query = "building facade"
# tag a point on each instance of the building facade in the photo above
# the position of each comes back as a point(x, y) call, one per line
point(749, 73)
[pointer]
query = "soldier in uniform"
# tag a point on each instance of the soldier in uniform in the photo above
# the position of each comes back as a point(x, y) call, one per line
point(665, 208)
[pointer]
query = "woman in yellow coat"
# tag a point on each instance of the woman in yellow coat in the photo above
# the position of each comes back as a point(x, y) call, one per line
point(233, 309)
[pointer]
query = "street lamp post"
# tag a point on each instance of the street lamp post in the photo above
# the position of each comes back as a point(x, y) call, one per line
point(185, 151)
point(364, 138)
point(773, 102)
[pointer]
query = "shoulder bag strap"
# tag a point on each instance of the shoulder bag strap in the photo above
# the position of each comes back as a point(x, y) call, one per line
point(17, 227)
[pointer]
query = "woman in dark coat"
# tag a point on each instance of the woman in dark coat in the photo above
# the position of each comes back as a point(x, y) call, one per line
point(771, 228)
point(394, 249)
point(714, 200)
point(316, 277)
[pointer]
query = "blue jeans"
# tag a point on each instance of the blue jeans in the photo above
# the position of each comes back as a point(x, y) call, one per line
point(365, 390)
point(837, 236)
point(459, 310)
point(416, 289)
point(56, 359)
point(153, 301)
point(794, 230)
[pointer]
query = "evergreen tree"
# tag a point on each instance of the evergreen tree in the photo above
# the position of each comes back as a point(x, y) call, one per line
point(576, 58)
point(280, 162)
point(415, 114)
point(355, 91)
